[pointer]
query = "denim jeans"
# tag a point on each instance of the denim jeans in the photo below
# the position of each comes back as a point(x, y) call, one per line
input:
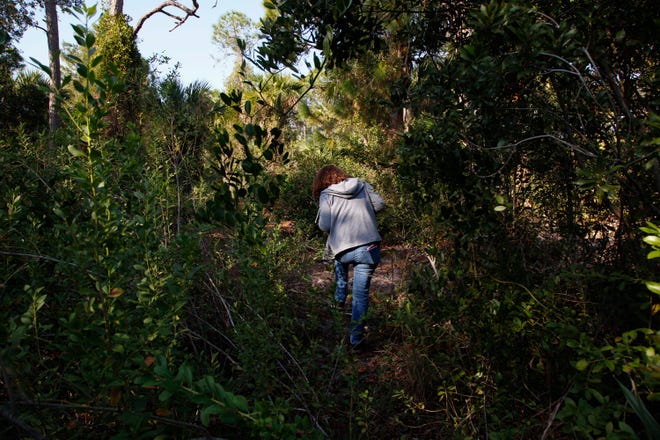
point(364, 260)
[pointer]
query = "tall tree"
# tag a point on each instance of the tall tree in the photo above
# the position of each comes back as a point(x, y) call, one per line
point(117, 47)
point(53, 33)
point(235, 34)
point(116, 7)
point(53, 38)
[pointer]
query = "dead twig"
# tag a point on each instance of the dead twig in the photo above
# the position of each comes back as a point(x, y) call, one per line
point(553, 416)
point(224, 302)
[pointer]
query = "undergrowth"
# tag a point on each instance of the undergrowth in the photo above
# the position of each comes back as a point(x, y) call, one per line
point(119, 324)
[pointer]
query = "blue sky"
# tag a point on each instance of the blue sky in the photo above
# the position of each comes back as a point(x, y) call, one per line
point(189, 44)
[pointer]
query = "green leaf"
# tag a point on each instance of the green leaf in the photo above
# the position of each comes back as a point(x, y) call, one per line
point(91, 11)
point(90, 39)
point(653, 286)
point(185, 374)
point(653, 240)
point(581, 365)
point(206, 412)
point(74, 151)
point(42, 66)
point(251, 167)
point(82, 70)
point(240, 403)
point(78, 29)
point(609, 189)
point(650, 424)
point(584, 182)
point(268, 154)
point(240, 138)
point(79, 88)
point(650, 228)
point(146, 381)
point(96, 61)
point(327, 43)
point(226, 99)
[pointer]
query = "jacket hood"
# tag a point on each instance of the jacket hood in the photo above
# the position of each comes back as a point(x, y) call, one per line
point(346, 189)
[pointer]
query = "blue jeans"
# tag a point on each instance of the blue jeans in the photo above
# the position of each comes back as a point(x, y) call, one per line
point(364, 259)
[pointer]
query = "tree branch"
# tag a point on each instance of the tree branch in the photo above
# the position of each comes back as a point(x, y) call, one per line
point(534, 138)
point(162, 8)
point(37, 257)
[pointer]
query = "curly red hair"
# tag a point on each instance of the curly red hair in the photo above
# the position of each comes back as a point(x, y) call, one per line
point(326, 176)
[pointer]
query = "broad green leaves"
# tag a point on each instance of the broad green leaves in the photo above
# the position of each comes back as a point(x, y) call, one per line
point(653, 239)
point(242, 183)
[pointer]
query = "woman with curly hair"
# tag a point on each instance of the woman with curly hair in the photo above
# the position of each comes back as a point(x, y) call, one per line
point(347, 212)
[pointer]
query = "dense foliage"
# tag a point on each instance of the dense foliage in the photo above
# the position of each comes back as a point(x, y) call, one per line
point(161, 274)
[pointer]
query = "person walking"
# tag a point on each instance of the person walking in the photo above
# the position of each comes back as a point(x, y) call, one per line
point(347, 212)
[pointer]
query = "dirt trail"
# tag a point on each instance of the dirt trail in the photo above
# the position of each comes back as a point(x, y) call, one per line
point(385, 365)
point(395, 261)
point(385, 292)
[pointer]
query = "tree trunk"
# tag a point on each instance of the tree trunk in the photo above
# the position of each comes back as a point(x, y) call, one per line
point(116, 7)
point(54, 62)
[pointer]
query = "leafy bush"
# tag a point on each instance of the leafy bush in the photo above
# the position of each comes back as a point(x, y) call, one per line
point(99, 292)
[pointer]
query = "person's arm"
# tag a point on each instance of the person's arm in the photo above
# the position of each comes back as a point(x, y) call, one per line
point(376, 200)
point(323, 215)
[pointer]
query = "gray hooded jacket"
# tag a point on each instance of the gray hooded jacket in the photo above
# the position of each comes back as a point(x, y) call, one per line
point(347, 212)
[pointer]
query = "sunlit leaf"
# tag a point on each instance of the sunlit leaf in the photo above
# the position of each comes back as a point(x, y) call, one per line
point(116, 292)
point(653, 286)
point(74, 151)
point(91, 11)
point(653, 240)
point(581, 365)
